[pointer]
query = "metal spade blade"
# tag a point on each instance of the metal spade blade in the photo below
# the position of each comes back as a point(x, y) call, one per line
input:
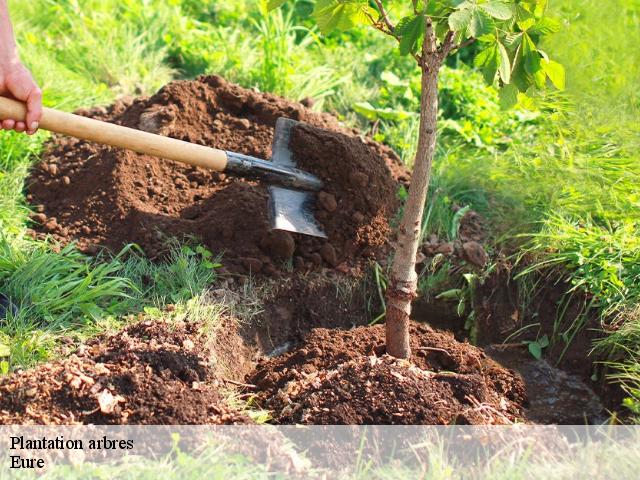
point(290, 210)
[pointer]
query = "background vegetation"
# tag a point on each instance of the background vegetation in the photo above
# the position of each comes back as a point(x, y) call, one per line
point(557, 177)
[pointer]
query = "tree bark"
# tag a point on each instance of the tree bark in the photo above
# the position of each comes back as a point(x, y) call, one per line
point(403, 282)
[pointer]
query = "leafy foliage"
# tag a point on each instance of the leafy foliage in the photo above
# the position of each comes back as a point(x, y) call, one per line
point(507, 31)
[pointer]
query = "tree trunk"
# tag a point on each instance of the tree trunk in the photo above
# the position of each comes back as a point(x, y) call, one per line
point(403, 282)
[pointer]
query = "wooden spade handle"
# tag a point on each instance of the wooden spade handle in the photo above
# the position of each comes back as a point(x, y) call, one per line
point(118, 136)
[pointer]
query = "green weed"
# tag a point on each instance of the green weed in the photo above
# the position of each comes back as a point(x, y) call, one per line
point(184, 274)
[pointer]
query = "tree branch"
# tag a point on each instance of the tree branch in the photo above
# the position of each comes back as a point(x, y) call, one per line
point(384, 15)
point(466, 43)
point(385, 26)
point(447, 45)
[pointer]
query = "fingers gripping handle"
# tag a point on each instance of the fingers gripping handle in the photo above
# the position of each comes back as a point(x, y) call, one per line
point(119, 136)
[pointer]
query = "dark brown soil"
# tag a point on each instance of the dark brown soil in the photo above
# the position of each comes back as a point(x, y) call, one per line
point(555, 396)
point(561, 386)
point(358, 198)
point(149, 373)
point(499, 315)
point(301, 303)
point(101, 196)
point(343, 377)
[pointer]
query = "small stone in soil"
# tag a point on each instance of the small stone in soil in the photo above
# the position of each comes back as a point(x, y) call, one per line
point(316, 259)
point(39, 217)
point(475, 254)
point(358, 179)
point(445, 249)
point(357, 218)
point(51, 224)
point(327, 201)
point(253, 265)
point(279, 244)
point(329, 255)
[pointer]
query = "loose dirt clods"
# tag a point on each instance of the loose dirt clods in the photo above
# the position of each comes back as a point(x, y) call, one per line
point(101, 196)
point(149, 373)
point(344, 377)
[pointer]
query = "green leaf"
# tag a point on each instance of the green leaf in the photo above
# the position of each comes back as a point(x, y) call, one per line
point(534, 7)
point(508, 96)
point(450, 294)
point(555, 72)
point(152, 311)
point(545, 26)
point(540, 8)
point(481, 23)
point(91, 310)
point(402, 194)
point(519, 76)
point(535, 350)
point(488, 61)
point(456, 220)
point(505, 64)
point(442, 28)
point(522, 14)
point(470, 278)
point(5, 351)
point(273, 4)
point(543, 341)
point(532, 59)
point(339, 14)
point(460, 19)
point(411, 30)
point(393, 80)
point(497, 9)
point(513, 40)
point(372, 113)
point(203, 252)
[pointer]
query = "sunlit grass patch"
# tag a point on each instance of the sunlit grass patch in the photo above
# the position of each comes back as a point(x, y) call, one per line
point(114, 44)
point(67, 294)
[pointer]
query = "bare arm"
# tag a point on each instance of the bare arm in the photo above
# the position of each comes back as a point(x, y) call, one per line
point(15, 80)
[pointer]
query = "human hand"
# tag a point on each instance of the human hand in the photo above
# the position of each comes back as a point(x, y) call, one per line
point(16, 82)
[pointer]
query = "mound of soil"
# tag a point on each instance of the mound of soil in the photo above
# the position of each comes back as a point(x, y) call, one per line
point(149, 373)
point(101, 196)
point(358, 198)
point(344, 377)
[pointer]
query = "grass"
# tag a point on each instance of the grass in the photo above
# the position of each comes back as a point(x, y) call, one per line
point(110, 45)
point(62, 294)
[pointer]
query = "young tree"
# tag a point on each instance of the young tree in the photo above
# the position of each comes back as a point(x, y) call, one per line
point(506, 32)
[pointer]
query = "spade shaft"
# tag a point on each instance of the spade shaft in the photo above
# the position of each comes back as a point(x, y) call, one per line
point(164, 147)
